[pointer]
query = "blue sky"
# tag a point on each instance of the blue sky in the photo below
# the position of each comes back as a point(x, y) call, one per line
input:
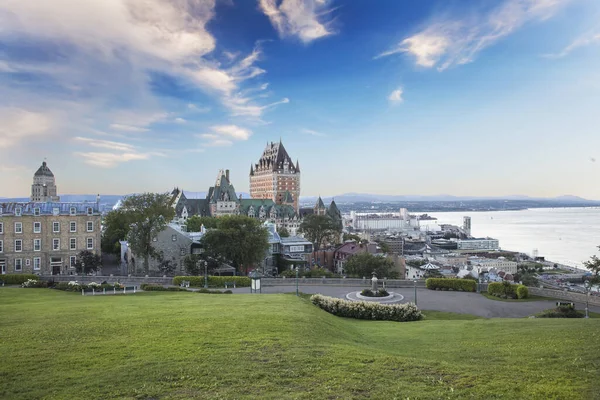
point(422, 97)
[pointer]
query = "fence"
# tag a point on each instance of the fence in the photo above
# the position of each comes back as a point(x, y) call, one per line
point(125, 280)
point(391, 283)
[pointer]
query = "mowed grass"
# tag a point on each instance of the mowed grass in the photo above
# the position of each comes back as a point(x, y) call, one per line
point(530, 298)
point(58, 345)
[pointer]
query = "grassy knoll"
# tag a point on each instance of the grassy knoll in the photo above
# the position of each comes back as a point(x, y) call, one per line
point(530, 298)
point(185, 345)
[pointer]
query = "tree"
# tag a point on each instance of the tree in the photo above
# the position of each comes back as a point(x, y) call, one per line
point(319, 229)
point(383, 246)
point(116, 227)
point(283, 232)
point(195, 222)
point(149, 213)
point(238, 239)
point(167, 267)
point(364, 264)
point(594, 266)
point(87, 262)
point(351, 236)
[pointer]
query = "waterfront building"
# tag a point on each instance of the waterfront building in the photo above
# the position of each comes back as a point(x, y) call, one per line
point(46, 238)
point(500, 264)
point(275, 176)
point(43, 188)
point(467, 225)
point(478, 244)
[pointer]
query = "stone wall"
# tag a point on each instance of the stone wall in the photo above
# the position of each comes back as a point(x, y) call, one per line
point(391, 283)
point(126, 280)
point(564, 295)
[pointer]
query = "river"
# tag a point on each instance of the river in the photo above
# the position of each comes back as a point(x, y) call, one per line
point(564, 235)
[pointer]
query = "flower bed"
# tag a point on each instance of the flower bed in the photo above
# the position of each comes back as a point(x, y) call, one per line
point(378, 293)
point(462, 285)
point(74, 286)
point(367, 310)
point(34, 283)
point(153, 287)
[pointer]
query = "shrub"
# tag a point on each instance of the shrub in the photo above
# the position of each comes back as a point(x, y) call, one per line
point(208, 291)
point(561, 312)
point(522, 292)
point(370, 293)
point(34, 283)
point(213, 281)
point(465, 285)
point(72, 286)
point(154, 287)
point(17, 279)
point(367, 310)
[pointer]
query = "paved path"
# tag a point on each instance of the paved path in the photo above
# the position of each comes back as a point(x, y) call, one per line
point(458, 302)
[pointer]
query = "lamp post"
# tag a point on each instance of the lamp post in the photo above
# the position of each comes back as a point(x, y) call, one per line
point(587, 286)
point(296, 279)
point(415, 282)
point(205, 274)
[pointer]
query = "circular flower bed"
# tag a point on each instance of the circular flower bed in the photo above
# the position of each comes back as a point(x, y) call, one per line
point(378, 293)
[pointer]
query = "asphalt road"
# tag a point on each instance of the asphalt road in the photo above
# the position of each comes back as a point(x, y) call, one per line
point(458, 302)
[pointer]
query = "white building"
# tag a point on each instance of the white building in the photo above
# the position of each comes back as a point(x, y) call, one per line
point(500, 264)
point(478, 244)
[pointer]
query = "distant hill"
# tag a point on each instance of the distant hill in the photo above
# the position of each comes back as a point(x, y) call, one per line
point(366, 197)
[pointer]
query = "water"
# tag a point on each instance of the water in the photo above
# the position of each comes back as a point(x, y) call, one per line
point(563, 235)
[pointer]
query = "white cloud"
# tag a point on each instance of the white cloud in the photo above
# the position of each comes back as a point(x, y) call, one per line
point(21, 125)
point(128, 128)
point(195, 108)
point(110, 160)
point(179, 120)
point(313, 133)
point(585, 40)
point(232, 131)
point(106, 144)
point(396, 96)
point(453, 42)
point(306, 19)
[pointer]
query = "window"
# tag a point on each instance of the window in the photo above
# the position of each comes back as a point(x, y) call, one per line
point(36, 211)
point(55, 211)
point(56, 227)
point(18, 245)
point(174, 238)
point(18, 211)
point(72, 261)
point(90, 211)
point(73, 211)
point(55, 244)
point(73, 244)
point(27, 262)
point(182, 251)
point(18, 264)
point(73, 226)
point(1, 246)
point(90, 243)
point(90, 226)
point(37, 244)
point(18, 227)
point(1, 228)
point(37, 262)
point(37, 227)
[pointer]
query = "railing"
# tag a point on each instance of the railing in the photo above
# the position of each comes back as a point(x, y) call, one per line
point(391, 283)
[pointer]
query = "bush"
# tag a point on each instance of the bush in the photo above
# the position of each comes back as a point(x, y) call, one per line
point(17, 279)
point(561, 312)
point(208, 291)
point(367, 310)
point(213, 281)
point(153, 287)
point(465, 285)
point(370, 293)
point(33, 283)
point(522, 292)
point(72, 286)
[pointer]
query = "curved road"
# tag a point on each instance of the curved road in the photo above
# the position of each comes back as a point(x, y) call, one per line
point(458, 302)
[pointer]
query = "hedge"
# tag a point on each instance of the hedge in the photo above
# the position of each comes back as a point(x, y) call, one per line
point(560, 312)
point(213, 281)
point(208, 291)
point(17, 279)
point(367, 310)
point(464, 285)
point(153, 287)
point(508, 290)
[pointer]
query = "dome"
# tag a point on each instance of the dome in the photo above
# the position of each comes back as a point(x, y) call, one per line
point(44, 171)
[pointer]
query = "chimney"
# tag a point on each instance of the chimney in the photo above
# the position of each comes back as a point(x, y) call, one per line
point(227, 175)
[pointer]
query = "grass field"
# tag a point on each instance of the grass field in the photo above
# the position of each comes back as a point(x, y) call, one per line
point(164, 345)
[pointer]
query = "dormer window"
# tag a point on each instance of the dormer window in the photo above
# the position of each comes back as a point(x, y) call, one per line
point(18, 211)
point(36, 211)
point(90, 211)
point(55, 211)
point(73, 211)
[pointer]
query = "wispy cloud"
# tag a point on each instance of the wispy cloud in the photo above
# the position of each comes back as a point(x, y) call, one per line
point(106, 144)
point(197, 109)
point(128, 128)
point(118, 152)
point(396, 96)
point(588, 39)
point(21, 125)
point(447, 42)
point(313, 133)
point(306, 19)
point(224, 135)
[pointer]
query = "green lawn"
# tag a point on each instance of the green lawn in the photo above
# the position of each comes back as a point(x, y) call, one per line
point(166, 345)
point(530, 298)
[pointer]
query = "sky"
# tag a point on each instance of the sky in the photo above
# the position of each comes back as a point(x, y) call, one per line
point(421, 97)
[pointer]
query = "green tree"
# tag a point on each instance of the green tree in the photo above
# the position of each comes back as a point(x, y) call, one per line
point(116, 227)
point(319, 229)
point(351, 236)
point(87, 262)
point(149, 213)
point(239, 240)
point(195, 222)
point(383, 246)
point(364, 264)
point(594, 266)
point(283, 232)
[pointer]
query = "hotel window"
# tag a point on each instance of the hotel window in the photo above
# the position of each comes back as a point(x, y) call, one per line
point(90, 243)
point(18, 264)
point(18, 227)
point(1, 228)
point(55, 244)
point(37, 244)
point(37, 227)
point(56, 227)
point(1, 246)
point(37, 262)
point(72, 211)
point(55, 211)
point(18, 211)
point(36, 211)
point(90, 211)
point(27, 262)
point(90, 226)
point(18, 245)
point(73, 244)
point(73, 226)
point(72, 261)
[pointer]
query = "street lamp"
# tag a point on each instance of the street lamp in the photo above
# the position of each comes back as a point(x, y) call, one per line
point(205, 274)
point(587, 286)
point(415, 282)
point(296, 279)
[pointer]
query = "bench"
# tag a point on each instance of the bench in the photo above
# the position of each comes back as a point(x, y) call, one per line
point(227, 284)
point(565, 304)
point(184, 284)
